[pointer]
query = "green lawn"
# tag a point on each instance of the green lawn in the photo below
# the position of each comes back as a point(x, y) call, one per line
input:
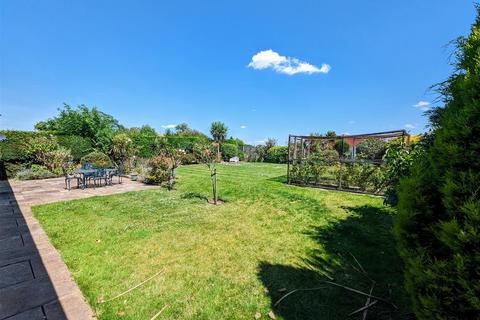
point(232, 260)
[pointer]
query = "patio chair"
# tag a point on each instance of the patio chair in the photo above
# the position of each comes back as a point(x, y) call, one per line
point(87, 176)
point(98, 176)
point(109, 176)
point(69, 177)
point(119, 172)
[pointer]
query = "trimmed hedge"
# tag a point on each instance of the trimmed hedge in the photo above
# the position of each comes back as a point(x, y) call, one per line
point(184, 142)
point(15, 147)
point(97, 159)
point(78, 146)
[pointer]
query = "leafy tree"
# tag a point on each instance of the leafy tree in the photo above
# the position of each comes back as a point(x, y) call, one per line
point(205, 153)
point(331, 134)
point(85, 122)
point(270, 142)
point(438, 227)
point(184, 130)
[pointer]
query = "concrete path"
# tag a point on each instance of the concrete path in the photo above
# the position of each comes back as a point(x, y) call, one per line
point(34, 281)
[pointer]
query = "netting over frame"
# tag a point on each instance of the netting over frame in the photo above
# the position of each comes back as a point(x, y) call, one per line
point(347, 162)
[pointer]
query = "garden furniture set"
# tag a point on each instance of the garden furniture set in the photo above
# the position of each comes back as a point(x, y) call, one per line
point(87, 175)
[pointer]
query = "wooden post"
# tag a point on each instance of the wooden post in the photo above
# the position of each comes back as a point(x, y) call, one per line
point(288, 159)
point(214, 185)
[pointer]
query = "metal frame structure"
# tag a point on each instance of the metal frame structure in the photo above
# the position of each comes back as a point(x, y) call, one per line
point(300, 148)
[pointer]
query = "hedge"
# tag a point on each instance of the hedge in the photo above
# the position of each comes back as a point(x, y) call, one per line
point(229, 151)
point(184, 142)
point(13, 148)
point(78, 146)
point(277, 154)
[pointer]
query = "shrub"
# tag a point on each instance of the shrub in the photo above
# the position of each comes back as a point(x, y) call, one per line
point(277, 154)
point(77, 145)
point(241, 155)
point(342, 147)
point(160, 169)
point(38, 147)
point(398, 161)
point(229, 151)
point(122, 151)
point(11, 168)
point(258, 154)
point(187, 158)
point(438, 225)
point(371, 148)
point(97, 159)
point(56, 159)
point(35, 172)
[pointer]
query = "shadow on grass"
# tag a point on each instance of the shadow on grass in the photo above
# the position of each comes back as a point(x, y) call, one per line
point(281, 179)
point(366, 236)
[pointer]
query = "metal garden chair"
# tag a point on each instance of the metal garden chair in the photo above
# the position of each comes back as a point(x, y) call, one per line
point(69, 177)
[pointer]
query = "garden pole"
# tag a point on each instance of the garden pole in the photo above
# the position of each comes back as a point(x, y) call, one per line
point(214, 185)
point(288, 159)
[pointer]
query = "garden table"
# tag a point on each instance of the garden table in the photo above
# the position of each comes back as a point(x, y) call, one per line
point(85, 173)
point(91, 172)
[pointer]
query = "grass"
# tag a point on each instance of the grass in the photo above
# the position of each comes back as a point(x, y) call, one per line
point(228, 261)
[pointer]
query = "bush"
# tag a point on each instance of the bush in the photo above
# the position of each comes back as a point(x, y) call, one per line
point(342, 147)
point(258, 154)
point(11, 168)
point(371, 148)
point(97, 160)
point(35, 172)
point(56, 159)
point(229, 151)
point(122, 151)
point(160, 169)
point(398, 161)
point(277, 154)
point(438, 225)
point(77, 145)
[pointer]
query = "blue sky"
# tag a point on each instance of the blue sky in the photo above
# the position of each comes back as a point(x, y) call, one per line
point(349, 66)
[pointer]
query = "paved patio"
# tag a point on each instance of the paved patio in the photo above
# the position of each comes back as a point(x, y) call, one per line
point(34, 281)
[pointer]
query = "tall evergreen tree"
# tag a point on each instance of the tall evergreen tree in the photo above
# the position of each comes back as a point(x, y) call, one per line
point(438, 227)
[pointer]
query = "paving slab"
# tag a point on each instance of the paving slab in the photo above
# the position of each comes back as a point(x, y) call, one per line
point(35, 283)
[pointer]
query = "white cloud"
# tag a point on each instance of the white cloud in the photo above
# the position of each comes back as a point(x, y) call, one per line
point(282, 64)
point(243, 127)
point(409, 126)
point(422, 105)
point(168, 126)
